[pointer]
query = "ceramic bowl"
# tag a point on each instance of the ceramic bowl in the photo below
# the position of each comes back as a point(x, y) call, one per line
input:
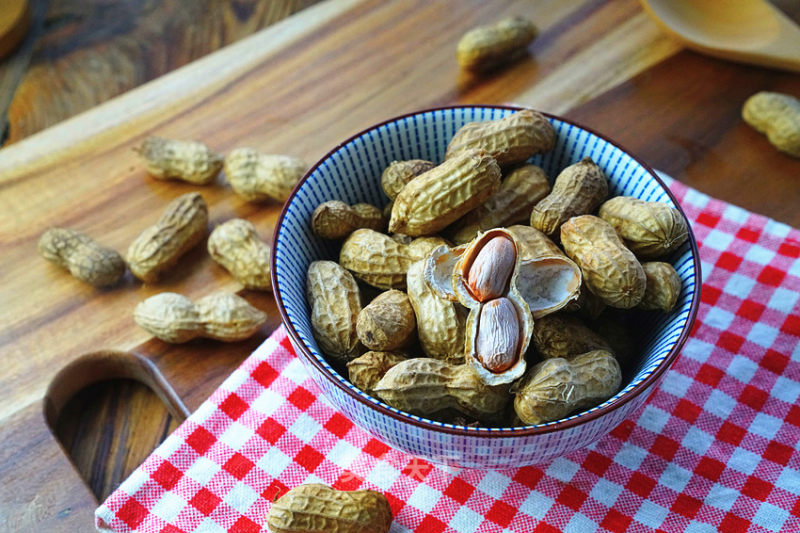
point(351, 173)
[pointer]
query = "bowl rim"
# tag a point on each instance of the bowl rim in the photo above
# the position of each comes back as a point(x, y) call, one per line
point(518, 431)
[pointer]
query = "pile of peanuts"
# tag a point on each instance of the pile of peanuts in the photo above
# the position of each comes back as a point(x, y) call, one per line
point(234, 244)
point(484, 284)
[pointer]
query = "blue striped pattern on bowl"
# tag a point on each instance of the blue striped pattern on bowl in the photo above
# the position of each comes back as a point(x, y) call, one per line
point(351, 173)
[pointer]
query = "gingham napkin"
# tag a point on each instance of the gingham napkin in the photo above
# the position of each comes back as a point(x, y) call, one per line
point(714, 449)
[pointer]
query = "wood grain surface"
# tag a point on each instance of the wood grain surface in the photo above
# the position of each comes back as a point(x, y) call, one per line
point(84, 52)
point(300, 87)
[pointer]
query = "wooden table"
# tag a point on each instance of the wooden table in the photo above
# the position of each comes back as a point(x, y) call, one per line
point(299, 87)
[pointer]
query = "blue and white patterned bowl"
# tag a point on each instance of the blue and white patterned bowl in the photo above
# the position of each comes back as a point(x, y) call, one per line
point(351, 173)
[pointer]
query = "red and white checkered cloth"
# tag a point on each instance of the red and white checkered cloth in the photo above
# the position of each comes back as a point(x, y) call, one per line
point(714, 449)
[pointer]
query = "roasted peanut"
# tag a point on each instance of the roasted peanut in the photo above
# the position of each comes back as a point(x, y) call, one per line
point(498, 336)
point(317, 508)
point(663, 287)
point(365, 371)
point(258, 177)
point(565, 336)
point(84, 258)
point(648, 229)
point(609, 270)
point(335, 302)
point(509, 140)
point(189, 161)
point(174, 318)
point(387, 322)
point(512, 203)
point(380, 260)
point(777, 116)
point(442, 195)
point(553, 389)
point(490, 272)
point(578, 190)
point(236, 246)
point(440, 322)
point(182, 225)
point(487, 47)
point(427, 386)
point(399, 173)
point(336, 220)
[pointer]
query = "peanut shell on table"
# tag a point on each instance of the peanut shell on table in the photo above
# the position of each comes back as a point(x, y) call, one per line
point(182, 225)
point(236, 246)
point(649, 229)
point(85, 259)
point(776, 115)
point(434, 200)
point(487, 47)
point(189, 161)
point(258, 177)
point(510, 140)
point(335, 301)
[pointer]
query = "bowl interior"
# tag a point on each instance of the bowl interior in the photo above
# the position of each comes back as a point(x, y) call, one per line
point(351, 173)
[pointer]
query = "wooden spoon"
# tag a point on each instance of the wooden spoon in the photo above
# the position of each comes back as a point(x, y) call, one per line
point(749, 31)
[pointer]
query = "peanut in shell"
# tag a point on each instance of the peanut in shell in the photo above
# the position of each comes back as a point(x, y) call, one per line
point(555, 388)
point(85, 259)
point(365, 371)
point(189, 161)
point(609, 269)
point(663, 287)
point(258, 177)
point(442, 195)
point(399, 173)
point(381, 261)
point(648, 229)
point(510, 140)
point(511, 204)
point(440, 322)
point(426, 387)
point(181, 226)
point(578, 190)
point(486, 47)
point(317, 508)
point(387, 322)
point(236, 246)
point(565, 336)
point(336, 220)
point(776, 115)
point(335, 301)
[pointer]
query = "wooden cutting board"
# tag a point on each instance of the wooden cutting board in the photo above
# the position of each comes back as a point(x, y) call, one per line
point(299, 88)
